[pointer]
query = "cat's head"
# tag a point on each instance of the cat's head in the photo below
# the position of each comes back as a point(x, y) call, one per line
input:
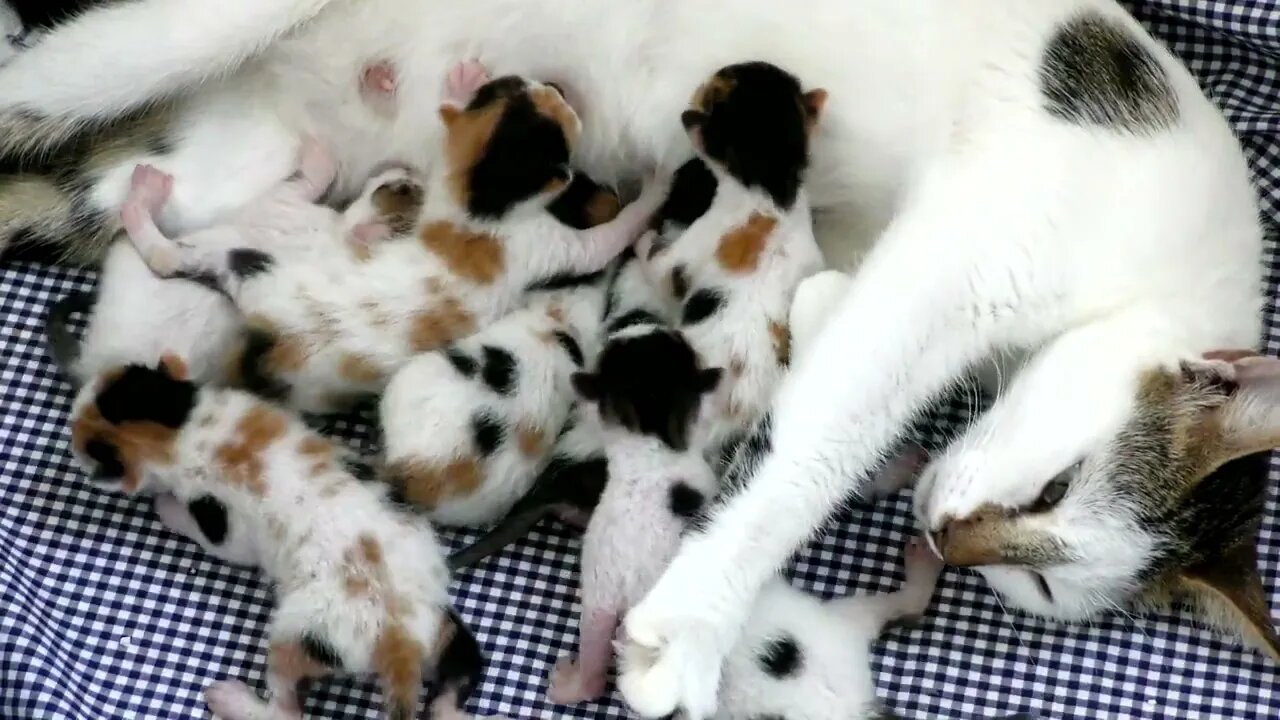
point(1165, 509)
point(752, 122)
point(648, 380)
point(509, 147)
point(392, 196)
point(129, 418)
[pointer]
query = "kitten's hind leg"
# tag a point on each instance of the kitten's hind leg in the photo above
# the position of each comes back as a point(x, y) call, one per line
point(872, 613)
point(149, 190)
point(575, 681)
point(316, 169)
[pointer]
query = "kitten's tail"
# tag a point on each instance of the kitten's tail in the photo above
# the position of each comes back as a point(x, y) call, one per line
point(114, 59)
point(62, 344)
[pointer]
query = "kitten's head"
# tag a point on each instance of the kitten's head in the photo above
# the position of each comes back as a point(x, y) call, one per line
point(752, 121)
point(649, 381)
point(392, 196)
point(129, 418)
point(509, 146)
point(1165, 509)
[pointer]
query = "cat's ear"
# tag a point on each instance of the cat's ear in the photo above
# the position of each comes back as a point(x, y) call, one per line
point(1228, 592)
point(449, 113)
point(1248, 420)
point(814, 102)
point(173, 366)
point(709, 379)
point(587, 385)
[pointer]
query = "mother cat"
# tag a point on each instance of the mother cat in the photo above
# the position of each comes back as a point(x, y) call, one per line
point(1038, 177)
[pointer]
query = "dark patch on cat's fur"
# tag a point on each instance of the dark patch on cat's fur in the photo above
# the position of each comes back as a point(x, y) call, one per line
point(526, 152)
point(254, 375)
point(679, 282)
point(107, 459)
point(573, 206)
point(211, 517)
point(358, 467)
point(1095, 72)
point(564, 281)
point(757, 128)
point(147, 395)
point(650, 384)
point(624, 258)
point(498, 370)
point(701, 305)
point(460, 666)
point(571, 347)
point(461, 361)
point(781, 657)
point(247, 262)
point(320, 650)
point(685, 501)
point(488, 432)
point(632, 318)
point(693, 188)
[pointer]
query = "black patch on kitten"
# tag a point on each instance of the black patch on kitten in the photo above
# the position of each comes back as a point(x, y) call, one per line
point(461, 361)
point(573, 206)
point(614, 272)
point(358, 467)
point(701, 305)
point(684, 501)
point(571, 347)
point(564, 281)
point(679, 282)
point(693, 188)
point(488, 432)
point(147, 395)
point(247, 262)
point(639, 316)
point(253, 374)
point(320, 650)
point(204, 278)
point(498, 370)
point(460, 666)
point(758, 129)
point(781, 657)
point(1094, 72)
point(526, 152)
point(211, 517)
point(105, 455)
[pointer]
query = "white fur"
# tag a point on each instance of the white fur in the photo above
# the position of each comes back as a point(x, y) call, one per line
point(428, 407)
point(997, 227)
point(737, 337)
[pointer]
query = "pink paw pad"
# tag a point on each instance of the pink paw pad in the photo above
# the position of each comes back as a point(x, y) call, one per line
point(464, 80)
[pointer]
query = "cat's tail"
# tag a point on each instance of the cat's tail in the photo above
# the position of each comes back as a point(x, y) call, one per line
point(124, 56)
point(60, 341)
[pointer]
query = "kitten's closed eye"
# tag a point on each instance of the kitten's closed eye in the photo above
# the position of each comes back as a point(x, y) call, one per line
point(1054, 491)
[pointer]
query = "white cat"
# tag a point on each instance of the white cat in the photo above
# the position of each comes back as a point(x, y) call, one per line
point(1038, 176)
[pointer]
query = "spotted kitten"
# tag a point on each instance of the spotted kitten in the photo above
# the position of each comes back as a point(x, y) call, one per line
point(361, 586)
point(735, 268)
point(329, 328)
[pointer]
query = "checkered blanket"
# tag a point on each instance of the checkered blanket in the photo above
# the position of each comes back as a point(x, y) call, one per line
point(105, 614)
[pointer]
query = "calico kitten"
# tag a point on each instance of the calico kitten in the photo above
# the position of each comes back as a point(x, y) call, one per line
point(803, 658)
point(329, 328)
point(361, 587)
point(735, 268)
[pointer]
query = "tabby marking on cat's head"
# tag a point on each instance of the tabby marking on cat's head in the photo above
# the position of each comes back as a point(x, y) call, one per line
point(752, 121)
point(509, 146)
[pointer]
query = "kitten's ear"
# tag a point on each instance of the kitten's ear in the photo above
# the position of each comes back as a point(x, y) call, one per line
point(1229, 594)
point(173, 366)
point(709, 379)
point(814, 102)
point(587, 386)
point(560, 179)
point(449, 113)
point(1248, 421)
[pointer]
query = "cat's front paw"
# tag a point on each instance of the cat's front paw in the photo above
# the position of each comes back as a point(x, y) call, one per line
point(463, 80)
point(668, 662)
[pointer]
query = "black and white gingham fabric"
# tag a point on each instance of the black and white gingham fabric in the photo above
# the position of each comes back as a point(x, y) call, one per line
point(104, 614)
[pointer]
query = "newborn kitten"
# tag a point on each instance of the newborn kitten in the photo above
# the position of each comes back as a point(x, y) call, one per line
point(736, 267)
point(645, 393)
point(807, 659)
point(361, 587)
point(329, 328)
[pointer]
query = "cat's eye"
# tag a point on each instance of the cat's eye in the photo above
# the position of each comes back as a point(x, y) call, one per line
point(1054, 491)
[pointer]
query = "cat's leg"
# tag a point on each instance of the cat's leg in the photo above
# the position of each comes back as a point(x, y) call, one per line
point(288, 664)
point(906, 329)
point(575, 681)
point(586, 251)
point(316, 170)
point(202, 255)
point(872, 613)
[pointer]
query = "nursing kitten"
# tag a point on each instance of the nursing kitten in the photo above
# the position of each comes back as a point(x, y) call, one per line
point(735, 268)
point(803, 658)
point(361, 586)
point(328, 328)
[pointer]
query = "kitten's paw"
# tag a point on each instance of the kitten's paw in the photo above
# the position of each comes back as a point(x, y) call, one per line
point(922, 568)
point(316, 162)
point(571, 683)
point(463, 81)
point(668, 664)
point(900, 471)
point(233, 700)
point(149, 188)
